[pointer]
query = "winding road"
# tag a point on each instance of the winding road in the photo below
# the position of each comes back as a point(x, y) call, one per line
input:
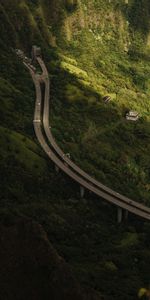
point(44, 135)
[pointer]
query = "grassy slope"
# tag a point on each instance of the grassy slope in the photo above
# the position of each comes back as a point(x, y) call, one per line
point(115, 262)
point(101, 57)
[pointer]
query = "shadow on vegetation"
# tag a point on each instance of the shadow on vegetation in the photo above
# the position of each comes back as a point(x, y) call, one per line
point(138, 15)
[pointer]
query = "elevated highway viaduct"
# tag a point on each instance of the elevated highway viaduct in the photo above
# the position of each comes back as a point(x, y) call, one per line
point(44, 135)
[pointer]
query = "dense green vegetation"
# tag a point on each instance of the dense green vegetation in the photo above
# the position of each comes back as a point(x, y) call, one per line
point(119, 146)
point(91, 49)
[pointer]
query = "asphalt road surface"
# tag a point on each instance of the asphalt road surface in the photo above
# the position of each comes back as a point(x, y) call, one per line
point(62, 161)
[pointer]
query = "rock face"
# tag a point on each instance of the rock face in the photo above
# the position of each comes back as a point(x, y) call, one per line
point(31, 268)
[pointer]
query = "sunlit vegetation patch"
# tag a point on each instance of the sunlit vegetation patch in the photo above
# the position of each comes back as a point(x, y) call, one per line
point(98, 136)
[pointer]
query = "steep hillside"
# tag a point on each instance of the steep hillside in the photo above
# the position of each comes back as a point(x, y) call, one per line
point(105, 53)
point(92, 49)
point(31, 267)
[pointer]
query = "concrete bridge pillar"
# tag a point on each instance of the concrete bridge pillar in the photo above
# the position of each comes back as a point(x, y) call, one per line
point(119, 215)
point(56, 169)
point(82, 191)
point(126, 214)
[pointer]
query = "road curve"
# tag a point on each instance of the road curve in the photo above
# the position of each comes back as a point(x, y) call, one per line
point(85, 181)
point(70, 163)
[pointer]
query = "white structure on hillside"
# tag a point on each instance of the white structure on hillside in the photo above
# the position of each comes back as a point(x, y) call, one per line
point(132, 115)
point(106, 99)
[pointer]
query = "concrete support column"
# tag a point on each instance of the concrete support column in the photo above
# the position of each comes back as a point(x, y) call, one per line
point(56, 169)
point(126, 214)
point(82, 191)
point(119, 215)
